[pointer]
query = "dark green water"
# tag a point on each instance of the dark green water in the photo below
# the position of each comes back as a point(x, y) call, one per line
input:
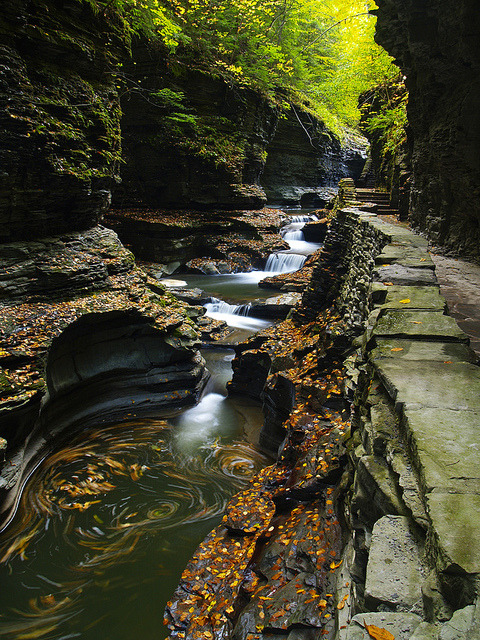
point(108, 522)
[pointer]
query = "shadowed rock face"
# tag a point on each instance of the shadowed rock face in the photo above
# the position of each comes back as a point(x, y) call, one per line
point(204, 147)
point(437, 45)
point(60, 117)
point(304, 158)
point(106, 362)
point(85, 335)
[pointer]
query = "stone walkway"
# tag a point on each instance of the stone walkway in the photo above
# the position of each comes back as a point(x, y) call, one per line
point(419, 430)
point(460, 286)
point(459, 282)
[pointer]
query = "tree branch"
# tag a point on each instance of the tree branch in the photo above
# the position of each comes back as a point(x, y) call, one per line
point(356, 15)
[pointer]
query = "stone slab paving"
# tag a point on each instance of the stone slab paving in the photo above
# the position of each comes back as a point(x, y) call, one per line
point(394, 566)
point(420, 325)
point(403, 349)
point(405, 275)
point(406, 297)
point(460, 285)
point(405, 256)
point(424, 361)
point(439, 385)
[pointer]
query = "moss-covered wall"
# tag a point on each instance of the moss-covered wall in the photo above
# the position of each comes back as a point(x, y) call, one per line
point(59, 116)
point(190, 139)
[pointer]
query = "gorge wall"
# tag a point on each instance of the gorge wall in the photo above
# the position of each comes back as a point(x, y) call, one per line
point(67, 73)
point(194, 140)
point(436, 44)
point(60, 117)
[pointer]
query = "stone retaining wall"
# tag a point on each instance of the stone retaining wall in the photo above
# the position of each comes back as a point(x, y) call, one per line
point(414, 506)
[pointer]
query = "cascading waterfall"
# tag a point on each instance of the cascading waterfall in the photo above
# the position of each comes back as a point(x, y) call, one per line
point(113, 515)
point(292, 231)
point(219, 306)
point(284, 262)
point(303, 218)
point(237, 315)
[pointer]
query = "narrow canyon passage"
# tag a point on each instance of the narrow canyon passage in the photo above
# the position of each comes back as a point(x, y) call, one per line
point(239, 320)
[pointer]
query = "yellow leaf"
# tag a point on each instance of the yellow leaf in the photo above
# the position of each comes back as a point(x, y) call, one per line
point(377, 633)
point(406, 301)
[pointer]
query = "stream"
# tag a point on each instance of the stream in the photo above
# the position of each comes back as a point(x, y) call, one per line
point(108, 521)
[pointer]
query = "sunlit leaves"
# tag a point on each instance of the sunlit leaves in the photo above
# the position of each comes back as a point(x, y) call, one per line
point(322, 53)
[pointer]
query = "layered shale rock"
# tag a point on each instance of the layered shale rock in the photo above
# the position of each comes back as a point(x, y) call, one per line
point(210, 242)
point(85, 336)
point(305, 158)
point(437, 47)
point(60, 117)
point(190, 140)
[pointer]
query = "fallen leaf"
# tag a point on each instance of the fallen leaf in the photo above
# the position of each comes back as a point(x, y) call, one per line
point(378, 633)
point(405, 301)
point(397, 349)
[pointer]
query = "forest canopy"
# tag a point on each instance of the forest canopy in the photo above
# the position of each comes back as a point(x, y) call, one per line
point(320, 53)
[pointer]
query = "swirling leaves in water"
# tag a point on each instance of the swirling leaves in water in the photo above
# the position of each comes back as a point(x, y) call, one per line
point(102, 497)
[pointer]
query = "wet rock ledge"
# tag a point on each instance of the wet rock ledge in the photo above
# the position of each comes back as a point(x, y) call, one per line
point(367, 524)
point(213, 242)
point(84, 334)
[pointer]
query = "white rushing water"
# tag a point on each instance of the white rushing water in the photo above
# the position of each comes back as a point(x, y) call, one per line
point(237, 315)
point(293, 231)
point(305, 248)
point(240, 322)
point(311, 217)
point(285, 262)
point(219, 306)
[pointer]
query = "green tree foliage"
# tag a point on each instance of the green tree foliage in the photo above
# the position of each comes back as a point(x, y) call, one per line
point(316, 52)
point(384, 116)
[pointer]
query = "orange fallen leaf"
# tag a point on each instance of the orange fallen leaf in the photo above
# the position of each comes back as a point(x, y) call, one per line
point(378, 633)
point(397, 349)
point(388, 284)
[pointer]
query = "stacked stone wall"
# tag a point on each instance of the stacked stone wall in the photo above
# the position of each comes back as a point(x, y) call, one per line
point(413, 507)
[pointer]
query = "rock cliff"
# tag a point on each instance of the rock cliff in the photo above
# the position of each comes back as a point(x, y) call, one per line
point(59, 116)
point(437, 46)
point(304, 158)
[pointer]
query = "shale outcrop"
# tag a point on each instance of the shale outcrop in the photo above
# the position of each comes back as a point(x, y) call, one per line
point(304, 159)
point(213, 242)
point(60, 117)
point(85, 335)
point(437, 47)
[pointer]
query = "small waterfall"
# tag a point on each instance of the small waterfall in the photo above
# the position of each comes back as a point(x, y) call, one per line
point(292, 231)
point(303, 218)
point(219, 306)
point(284, 262)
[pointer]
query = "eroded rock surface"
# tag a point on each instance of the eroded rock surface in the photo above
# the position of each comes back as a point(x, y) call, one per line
point(213, 242)
point(85, 333)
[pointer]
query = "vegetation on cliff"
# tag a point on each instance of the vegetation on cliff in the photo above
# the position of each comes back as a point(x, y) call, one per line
point(319, 54)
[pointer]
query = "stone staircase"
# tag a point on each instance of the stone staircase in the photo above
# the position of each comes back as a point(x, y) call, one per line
point(379, 198)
